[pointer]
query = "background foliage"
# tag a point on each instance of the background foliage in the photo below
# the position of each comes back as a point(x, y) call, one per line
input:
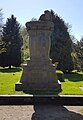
point(12, 42)
point(65, 49)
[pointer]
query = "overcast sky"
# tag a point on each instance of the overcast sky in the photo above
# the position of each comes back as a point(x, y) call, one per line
point(25, 10)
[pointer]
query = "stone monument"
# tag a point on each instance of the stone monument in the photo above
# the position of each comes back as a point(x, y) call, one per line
point(39, 73)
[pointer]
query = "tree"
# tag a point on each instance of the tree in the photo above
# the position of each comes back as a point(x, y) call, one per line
point(12, 42)
point(1, 21)
point(81, 53)
point(1, 25)
point(25, 47)
point(61, 44)
point(75, 56)
point(78, 60)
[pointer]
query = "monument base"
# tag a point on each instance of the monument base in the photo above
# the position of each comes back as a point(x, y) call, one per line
point(22, 87)
point(38, 75)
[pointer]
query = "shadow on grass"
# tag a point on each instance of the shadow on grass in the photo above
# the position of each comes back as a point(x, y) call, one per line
point(7, 70)
point(74, 77)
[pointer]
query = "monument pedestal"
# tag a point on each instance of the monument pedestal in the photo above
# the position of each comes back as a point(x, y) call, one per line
point(39, 73)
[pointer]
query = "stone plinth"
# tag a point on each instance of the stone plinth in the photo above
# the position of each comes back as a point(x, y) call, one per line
point(39, 73)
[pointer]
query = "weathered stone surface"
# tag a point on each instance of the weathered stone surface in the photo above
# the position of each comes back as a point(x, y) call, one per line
point(39, 73)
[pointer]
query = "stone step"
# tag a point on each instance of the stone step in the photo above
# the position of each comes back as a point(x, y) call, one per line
point(41, 99)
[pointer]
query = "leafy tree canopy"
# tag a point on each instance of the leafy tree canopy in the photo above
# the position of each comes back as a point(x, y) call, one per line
point(12, 43)
point(61, 44)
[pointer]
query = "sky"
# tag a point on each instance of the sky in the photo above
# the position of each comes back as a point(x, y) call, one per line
point(71, 11)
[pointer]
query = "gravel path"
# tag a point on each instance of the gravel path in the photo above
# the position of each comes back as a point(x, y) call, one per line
point(41, 112)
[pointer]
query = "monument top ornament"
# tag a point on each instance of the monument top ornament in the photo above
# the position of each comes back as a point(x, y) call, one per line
point(44, 23)
point(46, 16)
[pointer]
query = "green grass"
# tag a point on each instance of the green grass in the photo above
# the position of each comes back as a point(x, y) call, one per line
point(8, 78)
point(70, 86)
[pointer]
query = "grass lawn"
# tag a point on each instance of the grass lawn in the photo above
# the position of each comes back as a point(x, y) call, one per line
point(70, 86)
point(8, 78)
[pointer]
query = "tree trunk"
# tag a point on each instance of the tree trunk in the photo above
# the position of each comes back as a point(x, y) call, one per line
point(9, 66)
